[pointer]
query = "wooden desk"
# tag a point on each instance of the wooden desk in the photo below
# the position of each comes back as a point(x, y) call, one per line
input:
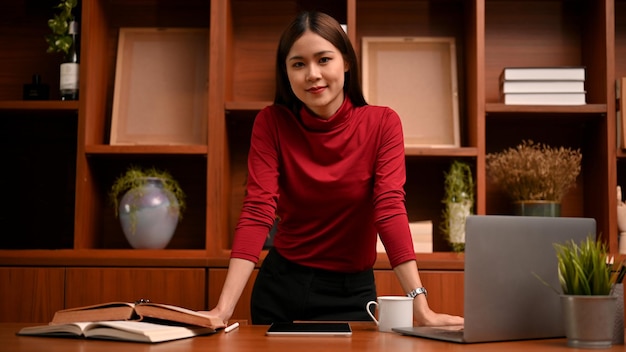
point(250, 338)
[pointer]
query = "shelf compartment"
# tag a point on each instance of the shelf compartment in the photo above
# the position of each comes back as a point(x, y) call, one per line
point(545, 33)
point(576, 131)
point(102, 22)
point(425, 188)
point(425, 19)
point(39, 158)
point(103, 231)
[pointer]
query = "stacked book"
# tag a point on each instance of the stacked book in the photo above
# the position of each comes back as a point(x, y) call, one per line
point(543, 86)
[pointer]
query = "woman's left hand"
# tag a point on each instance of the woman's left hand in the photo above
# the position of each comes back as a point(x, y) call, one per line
point(424, 316)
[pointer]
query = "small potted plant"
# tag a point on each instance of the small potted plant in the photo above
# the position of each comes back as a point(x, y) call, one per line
point(459, 201)
point(587, 280)
point(149, 203)
point(60, 39)
point(535, 176)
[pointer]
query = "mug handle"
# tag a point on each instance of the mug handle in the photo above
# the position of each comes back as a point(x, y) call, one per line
point(367, 309)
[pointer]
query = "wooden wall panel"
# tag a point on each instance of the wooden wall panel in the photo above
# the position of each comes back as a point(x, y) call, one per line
point(445, 288)
point(30, 295)
point(183, 287)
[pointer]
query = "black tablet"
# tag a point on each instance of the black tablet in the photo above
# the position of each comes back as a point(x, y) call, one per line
point(310, 329)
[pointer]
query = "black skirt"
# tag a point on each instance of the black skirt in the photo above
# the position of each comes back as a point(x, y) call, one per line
point(285, 291)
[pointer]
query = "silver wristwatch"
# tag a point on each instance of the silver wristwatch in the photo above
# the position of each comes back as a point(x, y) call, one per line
point(418, 291)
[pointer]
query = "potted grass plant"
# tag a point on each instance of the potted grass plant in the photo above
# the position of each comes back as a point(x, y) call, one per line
point(587, 280)
point(535, 176)
point(149, 204)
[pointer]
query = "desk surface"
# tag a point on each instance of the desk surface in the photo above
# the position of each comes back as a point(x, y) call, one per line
point(249, 338)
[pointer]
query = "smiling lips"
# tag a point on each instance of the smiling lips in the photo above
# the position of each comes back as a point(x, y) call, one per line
point(316, 90)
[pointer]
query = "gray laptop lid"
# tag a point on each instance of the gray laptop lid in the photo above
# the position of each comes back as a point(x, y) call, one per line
point(503, 299)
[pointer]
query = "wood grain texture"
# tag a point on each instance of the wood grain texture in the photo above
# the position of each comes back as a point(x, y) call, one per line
point(248, 338)
point(184, 287)
point(30, 294)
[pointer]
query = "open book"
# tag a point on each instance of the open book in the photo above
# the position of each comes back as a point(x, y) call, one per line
point(145, 311)
point(136, 331)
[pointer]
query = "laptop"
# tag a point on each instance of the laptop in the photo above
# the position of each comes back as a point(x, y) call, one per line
point(503, 299)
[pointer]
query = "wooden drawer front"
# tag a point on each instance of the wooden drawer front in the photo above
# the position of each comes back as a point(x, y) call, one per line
point(183, 287)
point(30, 294)
point(445, 288)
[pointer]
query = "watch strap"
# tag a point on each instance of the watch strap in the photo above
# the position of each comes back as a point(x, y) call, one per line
point(416, 292)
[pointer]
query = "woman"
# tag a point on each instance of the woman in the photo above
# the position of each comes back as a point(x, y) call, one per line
point(331, 169)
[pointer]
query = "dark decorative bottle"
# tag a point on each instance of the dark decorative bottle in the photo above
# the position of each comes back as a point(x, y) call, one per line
point(70, 67)
point(36, 90)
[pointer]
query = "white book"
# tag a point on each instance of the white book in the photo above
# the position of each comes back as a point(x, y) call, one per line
point(543, 73)
point(543, 87)
point(544, 98)
point(135, 331)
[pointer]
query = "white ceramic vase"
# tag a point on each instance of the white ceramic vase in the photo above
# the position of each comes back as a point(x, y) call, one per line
point(149, 215)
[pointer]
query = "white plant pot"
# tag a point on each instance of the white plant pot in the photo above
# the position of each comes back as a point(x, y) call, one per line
point(458, 213)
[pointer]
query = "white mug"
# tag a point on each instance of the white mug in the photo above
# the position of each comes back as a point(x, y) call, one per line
point(393, 312)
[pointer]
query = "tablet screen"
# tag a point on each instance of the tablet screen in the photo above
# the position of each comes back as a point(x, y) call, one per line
point(310, 329)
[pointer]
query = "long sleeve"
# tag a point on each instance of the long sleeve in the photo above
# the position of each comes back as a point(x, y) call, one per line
point(334, 184)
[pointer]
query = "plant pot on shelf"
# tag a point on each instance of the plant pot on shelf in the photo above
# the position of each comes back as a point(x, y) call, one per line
point(149, 204)
point(537, 208)
point(535, 176)
point(458, 212)
point(149, 215)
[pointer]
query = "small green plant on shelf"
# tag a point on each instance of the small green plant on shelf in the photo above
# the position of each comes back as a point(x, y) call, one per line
point(60, 40)
point(459, 202)
point(136, 177)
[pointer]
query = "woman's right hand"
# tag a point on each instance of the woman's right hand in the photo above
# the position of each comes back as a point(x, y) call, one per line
point(239, 271)
point(215, 313)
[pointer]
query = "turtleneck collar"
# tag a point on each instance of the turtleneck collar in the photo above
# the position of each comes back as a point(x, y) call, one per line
point(316, 123)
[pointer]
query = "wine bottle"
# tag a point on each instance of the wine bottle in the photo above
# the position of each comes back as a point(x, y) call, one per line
point(70, 67)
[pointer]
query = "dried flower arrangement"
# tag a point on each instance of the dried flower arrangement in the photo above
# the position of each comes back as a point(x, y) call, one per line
point(534, 171)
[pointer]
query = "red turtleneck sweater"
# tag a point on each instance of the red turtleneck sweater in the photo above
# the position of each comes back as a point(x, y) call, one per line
point(334, 184)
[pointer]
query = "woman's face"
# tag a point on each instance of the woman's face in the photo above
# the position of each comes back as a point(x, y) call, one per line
point(316, 70)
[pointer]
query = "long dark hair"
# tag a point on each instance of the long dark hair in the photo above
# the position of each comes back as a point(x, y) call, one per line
point(329, 29)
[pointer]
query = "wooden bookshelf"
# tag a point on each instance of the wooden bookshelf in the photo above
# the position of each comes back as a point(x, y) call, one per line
point(60, 150)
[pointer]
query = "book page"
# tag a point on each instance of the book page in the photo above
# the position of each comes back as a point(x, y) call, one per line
point(142, 331)
point(75, 329)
